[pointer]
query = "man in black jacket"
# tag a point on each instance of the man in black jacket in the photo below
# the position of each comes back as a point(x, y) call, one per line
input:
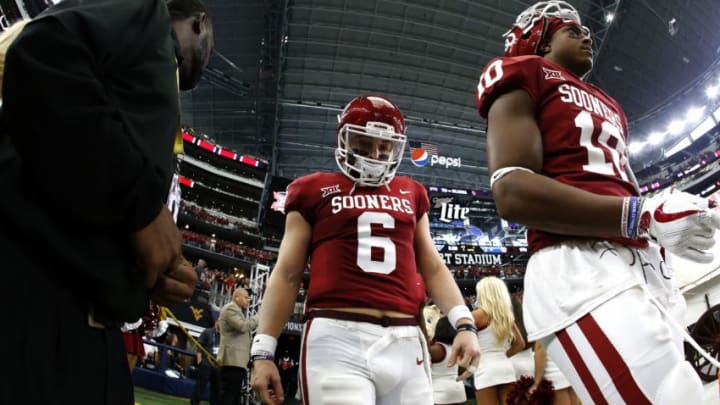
point(207, 372)
point(90, 100)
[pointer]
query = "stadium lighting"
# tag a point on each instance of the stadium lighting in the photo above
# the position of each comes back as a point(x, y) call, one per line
point(697, 121)
point(676, 127)
point(711, 92)
point(677, 148)
point(694, 114)
point(636, 147)
point(609, 17)
point(655, 138)
point(702, 129)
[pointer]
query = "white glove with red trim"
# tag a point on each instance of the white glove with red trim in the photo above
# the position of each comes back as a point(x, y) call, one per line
point(682, 223)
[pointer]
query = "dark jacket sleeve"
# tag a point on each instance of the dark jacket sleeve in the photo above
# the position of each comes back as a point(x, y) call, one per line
point(204, 339)
point(90, 103)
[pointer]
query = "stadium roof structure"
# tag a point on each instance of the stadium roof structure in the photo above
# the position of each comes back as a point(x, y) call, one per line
point(283, 69)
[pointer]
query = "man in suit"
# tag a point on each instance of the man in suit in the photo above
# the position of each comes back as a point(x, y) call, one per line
point(91, 113)
point(234, 353)
point(207, 371)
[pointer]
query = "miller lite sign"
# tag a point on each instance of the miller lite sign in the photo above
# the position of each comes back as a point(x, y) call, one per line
point(453, 212)
point(448, 211)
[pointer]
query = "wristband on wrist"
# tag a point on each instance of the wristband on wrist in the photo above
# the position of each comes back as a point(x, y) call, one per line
point(262, 357)
point(263, 345)
point(467, 327)
point(624, 217)
point(256, 357)
point(458, 312)
point(630, 217)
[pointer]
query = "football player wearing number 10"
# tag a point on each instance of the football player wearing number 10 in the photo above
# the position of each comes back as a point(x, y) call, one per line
point(367, 235)
point(598, 294)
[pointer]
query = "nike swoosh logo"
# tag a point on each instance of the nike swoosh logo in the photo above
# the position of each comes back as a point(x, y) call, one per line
point(419, 361)
point(662, 216)
point(404, 192)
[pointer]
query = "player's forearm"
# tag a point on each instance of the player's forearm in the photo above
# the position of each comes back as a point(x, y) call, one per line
point(278, 303)
point(443, 290)
point(540, 362)
point(540, 202)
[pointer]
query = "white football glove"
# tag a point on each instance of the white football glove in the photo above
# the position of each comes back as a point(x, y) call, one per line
point(682, 223)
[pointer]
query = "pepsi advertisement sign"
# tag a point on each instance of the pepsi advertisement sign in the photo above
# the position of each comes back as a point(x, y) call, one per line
point(421, 158)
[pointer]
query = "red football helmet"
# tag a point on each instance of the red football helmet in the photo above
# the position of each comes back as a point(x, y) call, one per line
point(530, 27)
point(371, 140)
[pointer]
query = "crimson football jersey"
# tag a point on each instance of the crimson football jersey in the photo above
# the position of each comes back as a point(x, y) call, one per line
point(362, 251)
point(584, 131)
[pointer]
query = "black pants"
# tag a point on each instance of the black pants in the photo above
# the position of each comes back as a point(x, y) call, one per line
point(206, 374)
point(232, 385)
point(289, 381)
point(51, 354)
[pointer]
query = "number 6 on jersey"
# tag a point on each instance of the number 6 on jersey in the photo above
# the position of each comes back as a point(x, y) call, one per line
point(366, 241)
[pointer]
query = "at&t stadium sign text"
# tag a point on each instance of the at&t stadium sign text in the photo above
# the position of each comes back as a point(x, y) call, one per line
point(477, 259)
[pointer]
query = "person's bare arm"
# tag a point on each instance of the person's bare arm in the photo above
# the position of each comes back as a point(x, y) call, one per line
point(482, 319)
point(439, 281)
point(537, 201)
point(279, 301)
point(445, 293)
point(157, 247)
point(286, 278)
point(437, 352)
point(540, 364)
point(517, 344)
point(175, 285)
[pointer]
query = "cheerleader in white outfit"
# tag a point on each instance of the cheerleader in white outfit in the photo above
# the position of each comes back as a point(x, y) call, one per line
point(499, 338)
point(446, 388)
point(545, 367)
point(524, 361)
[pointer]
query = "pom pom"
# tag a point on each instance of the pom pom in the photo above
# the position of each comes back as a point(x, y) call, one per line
point(151, 319)
point(543, 395)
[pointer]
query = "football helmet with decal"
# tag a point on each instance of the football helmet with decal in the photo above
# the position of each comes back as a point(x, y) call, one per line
point(531, 26)
point(371, 140)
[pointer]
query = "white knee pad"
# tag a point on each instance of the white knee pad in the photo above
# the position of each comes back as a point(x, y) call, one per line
point(680, 386)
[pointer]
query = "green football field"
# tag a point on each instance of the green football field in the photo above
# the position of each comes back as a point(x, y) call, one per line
point(145, 397)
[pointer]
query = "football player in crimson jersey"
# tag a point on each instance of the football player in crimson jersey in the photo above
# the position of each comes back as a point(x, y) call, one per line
point(366, 233)
point(598, 295)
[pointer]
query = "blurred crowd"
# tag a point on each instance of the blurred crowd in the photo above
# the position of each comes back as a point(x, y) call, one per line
point(477, 272)
point(227, 248)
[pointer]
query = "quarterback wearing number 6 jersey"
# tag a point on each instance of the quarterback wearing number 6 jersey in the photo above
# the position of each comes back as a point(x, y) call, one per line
point(367, 236)
point(363, 254)
point(557, 155)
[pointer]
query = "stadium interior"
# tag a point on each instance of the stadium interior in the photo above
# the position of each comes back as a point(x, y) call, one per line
point(266, 112)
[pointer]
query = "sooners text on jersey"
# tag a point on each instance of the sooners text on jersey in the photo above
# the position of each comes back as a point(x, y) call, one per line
point(584, 131)
point(362, 251)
